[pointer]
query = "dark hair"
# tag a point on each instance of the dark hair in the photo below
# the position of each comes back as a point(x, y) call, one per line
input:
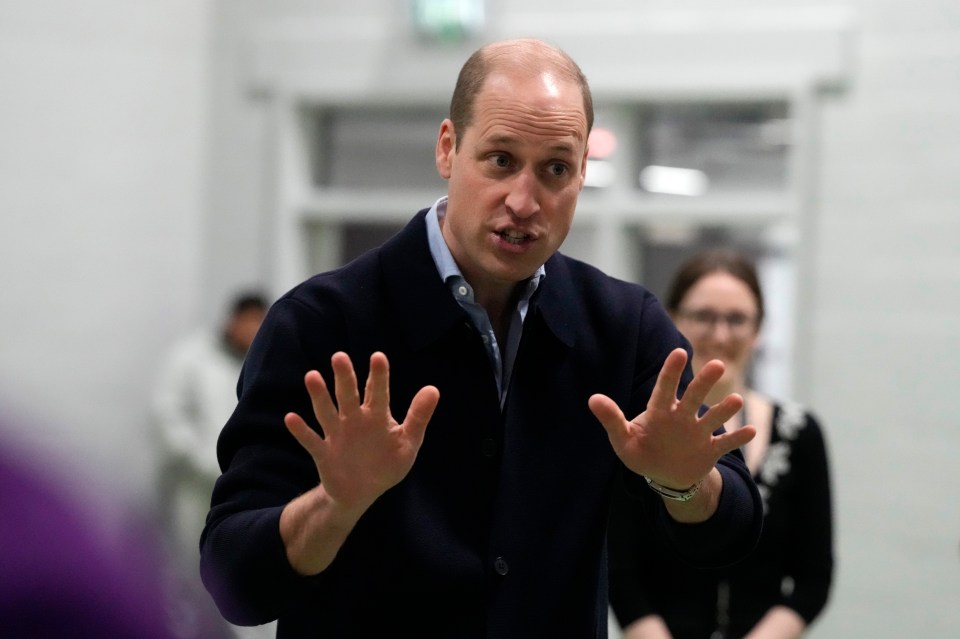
point(714, 261)
point(248, 300)
point(484, 61)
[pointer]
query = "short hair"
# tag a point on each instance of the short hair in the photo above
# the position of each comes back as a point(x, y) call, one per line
point(491, 58)
point(714, 261)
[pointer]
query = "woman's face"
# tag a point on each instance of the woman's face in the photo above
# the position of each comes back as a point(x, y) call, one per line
point(719, 315)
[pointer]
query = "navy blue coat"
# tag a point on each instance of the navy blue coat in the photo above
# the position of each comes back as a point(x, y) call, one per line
point(498, 530)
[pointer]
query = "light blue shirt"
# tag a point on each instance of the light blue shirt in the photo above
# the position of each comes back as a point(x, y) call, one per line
point(463, 293)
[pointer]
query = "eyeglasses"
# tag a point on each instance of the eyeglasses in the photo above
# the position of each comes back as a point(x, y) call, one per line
point(705, 321)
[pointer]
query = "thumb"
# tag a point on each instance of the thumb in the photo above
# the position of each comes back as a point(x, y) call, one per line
point(305, 436)
point(730, 441)
point(420, 411)
point(608, 413)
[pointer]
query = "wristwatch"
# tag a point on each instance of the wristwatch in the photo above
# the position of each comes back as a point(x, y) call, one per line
point(672, 493)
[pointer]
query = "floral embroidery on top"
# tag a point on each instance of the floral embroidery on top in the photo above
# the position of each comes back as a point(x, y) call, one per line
point(792, 418)
point(776, 463)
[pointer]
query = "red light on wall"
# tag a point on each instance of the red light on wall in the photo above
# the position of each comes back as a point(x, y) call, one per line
point(602, 143)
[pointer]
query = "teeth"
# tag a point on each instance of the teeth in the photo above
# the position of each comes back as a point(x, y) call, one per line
point(514, 237)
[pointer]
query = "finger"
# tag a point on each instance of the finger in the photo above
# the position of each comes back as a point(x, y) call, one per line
point(421, 409)
point(345, 383)
point(323, 406)
point(701, 384)
point(609, 415)
point(376, 395)
point(664, 394)
point(721, 412)
point(306, 436)
point(731, 441)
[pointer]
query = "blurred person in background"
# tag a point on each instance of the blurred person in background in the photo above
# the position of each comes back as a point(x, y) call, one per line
point(195, 393)
point(778, 590)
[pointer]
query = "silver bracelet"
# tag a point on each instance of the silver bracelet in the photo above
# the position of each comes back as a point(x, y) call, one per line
point(672, 493)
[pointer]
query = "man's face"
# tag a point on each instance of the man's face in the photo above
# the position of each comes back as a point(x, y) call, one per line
point(514, 182)
point(242, 327)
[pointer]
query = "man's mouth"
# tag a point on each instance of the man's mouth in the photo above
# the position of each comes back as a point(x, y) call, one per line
point(513, 237)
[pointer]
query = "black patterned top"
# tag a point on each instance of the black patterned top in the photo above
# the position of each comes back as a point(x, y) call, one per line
point(792, 565)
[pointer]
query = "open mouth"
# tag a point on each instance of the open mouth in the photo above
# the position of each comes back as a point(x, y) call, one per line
point(514, 237)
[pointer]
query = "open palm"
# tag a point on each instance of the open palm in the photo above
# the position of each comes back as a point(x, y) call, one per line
point(364, 451)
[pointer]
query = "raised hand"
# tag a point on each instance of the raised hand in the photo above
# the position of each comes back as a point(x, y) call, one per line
point(364, 451)
point(669, 442)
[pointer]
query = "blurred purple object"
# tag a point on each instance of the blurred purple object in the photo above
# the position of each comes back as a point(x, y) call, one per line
point(63, 573)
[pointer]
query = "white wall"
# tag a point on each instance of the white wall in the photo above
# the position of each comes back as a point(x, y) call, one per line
point(885, 344)
point(103, 143)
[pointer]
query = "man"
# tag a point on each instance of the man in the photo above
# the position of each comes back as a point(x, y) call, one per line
point(194, 395)
point(463, 492)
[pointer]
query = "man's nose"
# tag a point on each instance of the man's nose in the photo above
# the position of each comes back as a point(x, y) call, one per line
point(523, 197)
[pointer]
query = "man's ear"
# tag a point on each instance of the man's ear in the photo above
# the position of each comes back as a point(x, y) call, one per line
point(446, 148)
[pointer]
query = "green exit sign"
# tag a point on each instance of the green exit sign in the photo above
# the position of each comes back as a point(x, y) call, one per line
point(448, 20)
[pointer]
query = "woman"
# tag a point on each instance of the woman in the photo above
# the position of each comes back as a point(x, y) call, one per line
point(778, 590)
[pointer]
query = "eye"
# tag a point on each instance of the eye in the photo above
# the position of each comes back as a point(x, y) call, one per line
point(737, 320)
point(500, 160)
point(704, 317)
point(557, 169)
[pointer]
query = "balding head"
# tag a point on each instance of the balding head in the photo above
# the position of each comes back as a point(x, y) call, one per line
point(522, 56)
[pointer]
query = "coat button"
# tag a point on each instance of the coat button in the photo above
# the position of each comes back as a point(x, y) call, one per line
point(488, 447)
point(500, 565)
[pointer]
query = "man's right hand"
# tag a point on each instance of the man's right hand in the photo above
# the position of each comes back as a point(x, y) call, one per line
point(363, 453)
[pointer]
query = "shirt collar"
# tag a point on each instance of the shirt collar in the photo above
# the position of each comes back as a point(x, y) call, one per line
point(443, 258)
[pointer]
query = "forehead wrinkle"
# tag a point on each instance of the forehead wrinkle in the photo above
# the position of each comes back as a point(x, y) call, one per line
point(506, 123)
point(555, 107)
